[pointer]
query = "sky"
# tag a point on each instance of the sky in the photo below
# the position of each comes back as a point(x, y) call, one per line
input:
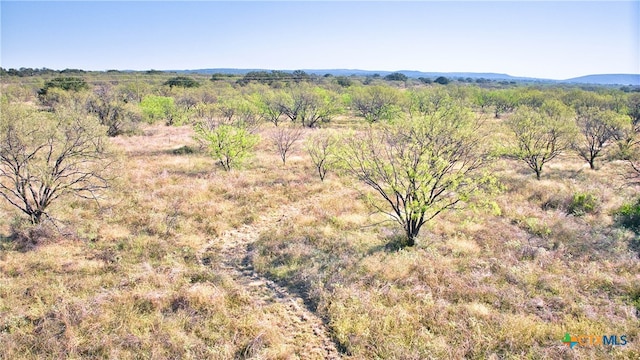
point(544, 39)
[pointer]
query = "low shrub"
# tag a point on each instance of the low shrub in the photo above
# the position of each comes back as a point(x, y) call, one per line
point(582, 203)
point(628, 216)
point(183, 150)
point(26, 236)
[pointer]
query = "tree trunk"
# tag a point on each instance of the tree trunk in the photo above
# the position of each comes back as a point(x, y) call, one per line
point(36, 217)
point(411, 239)
point(412, 229)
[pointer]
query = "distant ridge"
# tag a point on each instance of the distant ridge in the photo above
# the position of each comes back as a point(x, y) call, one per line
point(607, 79)
point(599, 79)
point(358, 72)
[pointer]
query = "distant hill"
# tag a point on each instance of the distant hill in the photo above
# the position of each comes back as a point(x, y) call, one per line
point(611, 79)
point(607, 79)
point(417, 74)
point(358, 72)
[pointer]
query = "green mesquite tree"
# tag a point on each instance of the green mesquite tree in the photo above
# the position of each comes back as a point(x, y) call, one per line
point(418, 167)
point(229, 144)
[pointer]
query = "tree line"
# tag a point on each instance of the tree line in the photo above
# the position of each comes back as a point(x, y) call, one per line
point(423, 148)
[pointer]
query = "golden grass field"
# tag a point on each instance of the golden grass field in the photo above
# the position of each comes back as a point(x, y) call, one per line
point(181, 260)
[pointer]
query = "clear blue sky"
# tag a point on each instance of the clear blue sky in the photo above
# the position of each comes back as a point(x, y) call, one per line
point(550, 39)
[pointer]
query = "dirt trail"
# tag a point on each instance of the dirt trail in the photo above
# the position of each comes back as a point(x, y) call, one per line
point(298, 324)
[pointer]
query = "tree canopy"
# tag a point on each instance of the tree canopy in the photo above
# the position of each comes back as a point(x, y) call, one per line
point(68, 83)
point(541, 135)
point(182, 81)
point(44, 156)
point(418, 167)
point(396, 76)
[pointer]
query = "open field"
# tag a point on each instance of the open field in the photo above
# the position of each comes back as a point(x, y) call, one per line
point(180, 259)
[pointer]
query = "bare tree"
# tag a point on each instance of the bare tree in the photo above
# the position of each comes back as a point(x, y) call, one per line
point(633, 158)
point(112, 112)
point(46, 156)
point(227, 110)
point(284, 139)
point(635, 171)
point(597, 128)
point(419, 167)
point(541, 135)
point(321, 149)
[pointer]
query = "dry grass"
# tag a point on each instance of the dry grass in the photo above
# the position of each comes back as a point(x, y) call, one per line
point(124, 279)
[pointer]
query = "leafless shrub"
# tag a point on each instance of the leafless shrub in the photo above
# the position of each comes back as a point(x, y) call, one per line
point(321, 149)
point(46, 156)
point(284, 139)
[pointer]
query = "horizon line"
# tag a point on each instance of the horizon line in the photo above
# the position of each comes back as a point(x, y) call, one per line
point(327, 70)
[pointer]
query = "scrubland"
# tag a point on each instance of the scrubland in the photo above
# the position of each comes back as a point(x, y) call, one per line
point(145, 271)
